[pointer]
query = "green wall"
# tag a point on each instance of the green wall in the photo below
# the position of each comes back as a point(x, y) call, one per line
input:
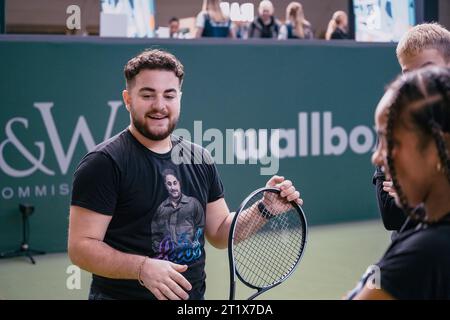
point(51, 86)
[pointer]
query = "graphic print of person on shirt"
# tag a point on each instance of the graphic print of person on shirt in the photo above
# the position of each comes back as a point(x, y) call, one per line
point(178, 224)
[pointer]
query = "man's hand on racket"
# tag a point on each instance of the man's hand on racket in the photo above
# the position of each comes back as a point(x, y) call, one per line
point(163, 278)
point(288, 191)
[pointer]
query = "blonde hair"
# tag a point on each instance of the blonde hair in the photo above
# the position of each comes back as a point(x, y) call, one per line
point(266, 4)
point(296, 16)
point(337, 19)
point(425, 36)
point(212, 8)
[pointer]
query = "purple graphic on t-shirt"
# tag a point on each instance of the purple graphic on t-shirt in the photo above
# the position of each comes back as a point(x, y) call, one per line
point(181, 251)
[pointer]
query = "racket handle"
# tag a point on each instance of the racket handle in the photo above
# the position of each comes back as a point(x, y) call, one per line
point(232, 290)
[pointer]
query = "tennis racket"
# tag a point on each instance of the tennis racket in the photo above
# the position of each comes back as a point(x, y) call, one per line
point(266, 241)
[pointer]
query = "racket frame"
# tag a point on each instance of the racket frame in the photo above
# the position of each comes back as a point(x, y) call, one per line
point(232, 265)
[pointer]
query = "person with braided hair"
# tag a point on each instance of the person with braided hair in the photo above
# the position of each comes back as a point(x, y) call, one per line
point(425, 44)
point(413, 124)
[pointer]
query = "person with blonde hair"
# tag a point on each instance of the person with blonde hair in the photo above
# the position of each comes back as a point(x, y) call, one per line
point(337, 27)
point(296, 26)
point(425, 44)
point(212, 22)
point(265, 25)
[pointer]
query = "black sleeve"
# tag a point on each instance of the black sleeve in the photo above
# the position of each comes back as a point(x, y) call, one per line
point(393, 217)
point(96, 184)
point(216, 190)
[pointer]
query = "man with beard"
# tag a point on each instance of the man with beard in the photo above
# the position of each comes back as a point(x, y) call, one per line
point(119, 186)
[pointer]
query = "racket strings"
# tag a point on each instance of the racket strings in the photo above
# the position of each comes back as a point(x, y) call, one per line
point(265, 265)
point(268, 250)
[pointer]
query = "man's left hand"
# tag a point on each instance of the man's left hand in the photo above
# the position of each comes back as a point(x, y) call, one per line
point(286, 187)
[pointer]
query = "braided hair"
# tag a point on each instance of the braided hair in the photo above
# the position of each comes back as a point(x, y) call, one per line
point(424, 95)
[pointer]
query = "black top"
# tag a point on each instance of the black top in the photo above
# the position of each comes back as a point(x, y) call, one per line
point(124, 179)
point(308, 34)
point(339, 34)
point(393, 217)
point(416, 264)
point(270, 30)
point(216, 30)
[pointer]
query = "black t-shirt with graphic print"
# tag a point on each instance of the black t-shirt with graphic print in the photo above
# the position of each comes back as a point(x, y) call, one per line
point(123, 179)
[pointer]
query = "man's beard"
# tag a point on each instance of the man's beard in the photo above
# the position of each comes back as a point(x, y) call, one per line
point(175, 198)
point(144, 130)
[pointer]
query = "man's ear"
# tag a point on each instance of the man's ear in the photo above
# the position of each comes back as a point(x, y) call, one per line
point(126, 99)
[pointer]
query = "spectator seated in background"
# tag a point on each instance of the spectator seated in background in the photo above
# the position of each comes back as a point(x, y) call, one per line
point(296, 26)
point(174, 27)
point(212, 23)
point(265, 25)
point(337, 27)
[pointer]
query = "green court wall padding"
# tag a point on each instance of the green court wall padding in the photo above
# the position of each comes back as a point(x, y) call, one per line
point(310, 105)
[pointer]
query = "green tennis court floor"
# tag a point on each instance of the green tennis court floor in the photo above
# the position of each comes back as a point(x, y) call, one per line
point(335, 258)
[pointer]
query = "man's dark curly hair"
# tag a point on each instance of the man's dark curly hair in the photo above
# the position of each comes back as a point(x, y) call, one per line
point(154, 59)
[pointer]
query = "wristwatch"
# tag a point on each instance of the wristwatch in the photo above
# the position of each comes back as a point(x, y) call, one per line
point(264, 212)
